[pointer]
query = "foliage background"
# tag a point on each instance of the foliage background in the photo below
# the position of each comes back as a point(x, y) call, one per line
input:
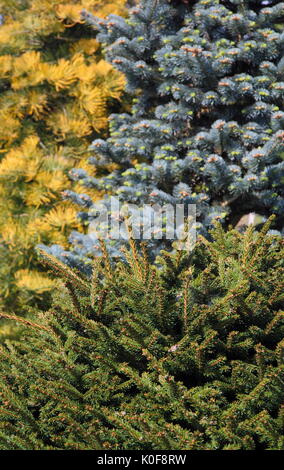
point(56, 93)
point(206, 122)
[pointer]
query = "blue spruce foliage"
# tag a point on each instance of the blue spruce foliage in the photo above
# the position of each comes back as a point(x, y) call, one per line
point(206, 125)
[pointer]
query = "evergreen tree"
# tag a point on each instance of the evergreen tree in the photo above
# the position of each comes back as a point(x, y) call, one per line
point(207, 123)
point(189, 356)
point(56, 93)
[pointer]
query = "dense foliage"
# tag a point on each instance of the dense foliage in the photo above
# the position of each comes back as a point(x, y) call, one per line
point(207, 122)
point(186, 357)
point(149, 346)
point(56, 92)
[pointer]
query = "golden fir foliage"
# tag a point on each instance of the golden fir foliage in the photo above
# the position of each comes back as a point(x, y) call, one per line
point(56, 93)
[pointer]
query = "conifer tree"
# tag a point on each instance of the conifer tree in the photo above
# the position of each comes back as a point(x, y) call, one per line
point(56, 92)
point(189, 356)
point(207, 123)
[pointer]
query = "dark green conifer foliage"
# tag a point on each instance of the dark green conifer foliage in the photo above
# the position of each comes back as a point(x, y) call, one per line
point(189, 356)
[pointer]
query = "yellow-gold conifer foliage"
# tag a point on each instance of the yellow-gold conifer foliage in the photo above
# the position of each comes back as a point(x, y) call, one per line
point(56, 93)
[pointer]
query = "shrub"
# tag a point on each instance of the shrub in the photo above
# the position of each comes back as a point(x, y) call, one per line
point(206, 125)
point(56, 93)
point(189, 356)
